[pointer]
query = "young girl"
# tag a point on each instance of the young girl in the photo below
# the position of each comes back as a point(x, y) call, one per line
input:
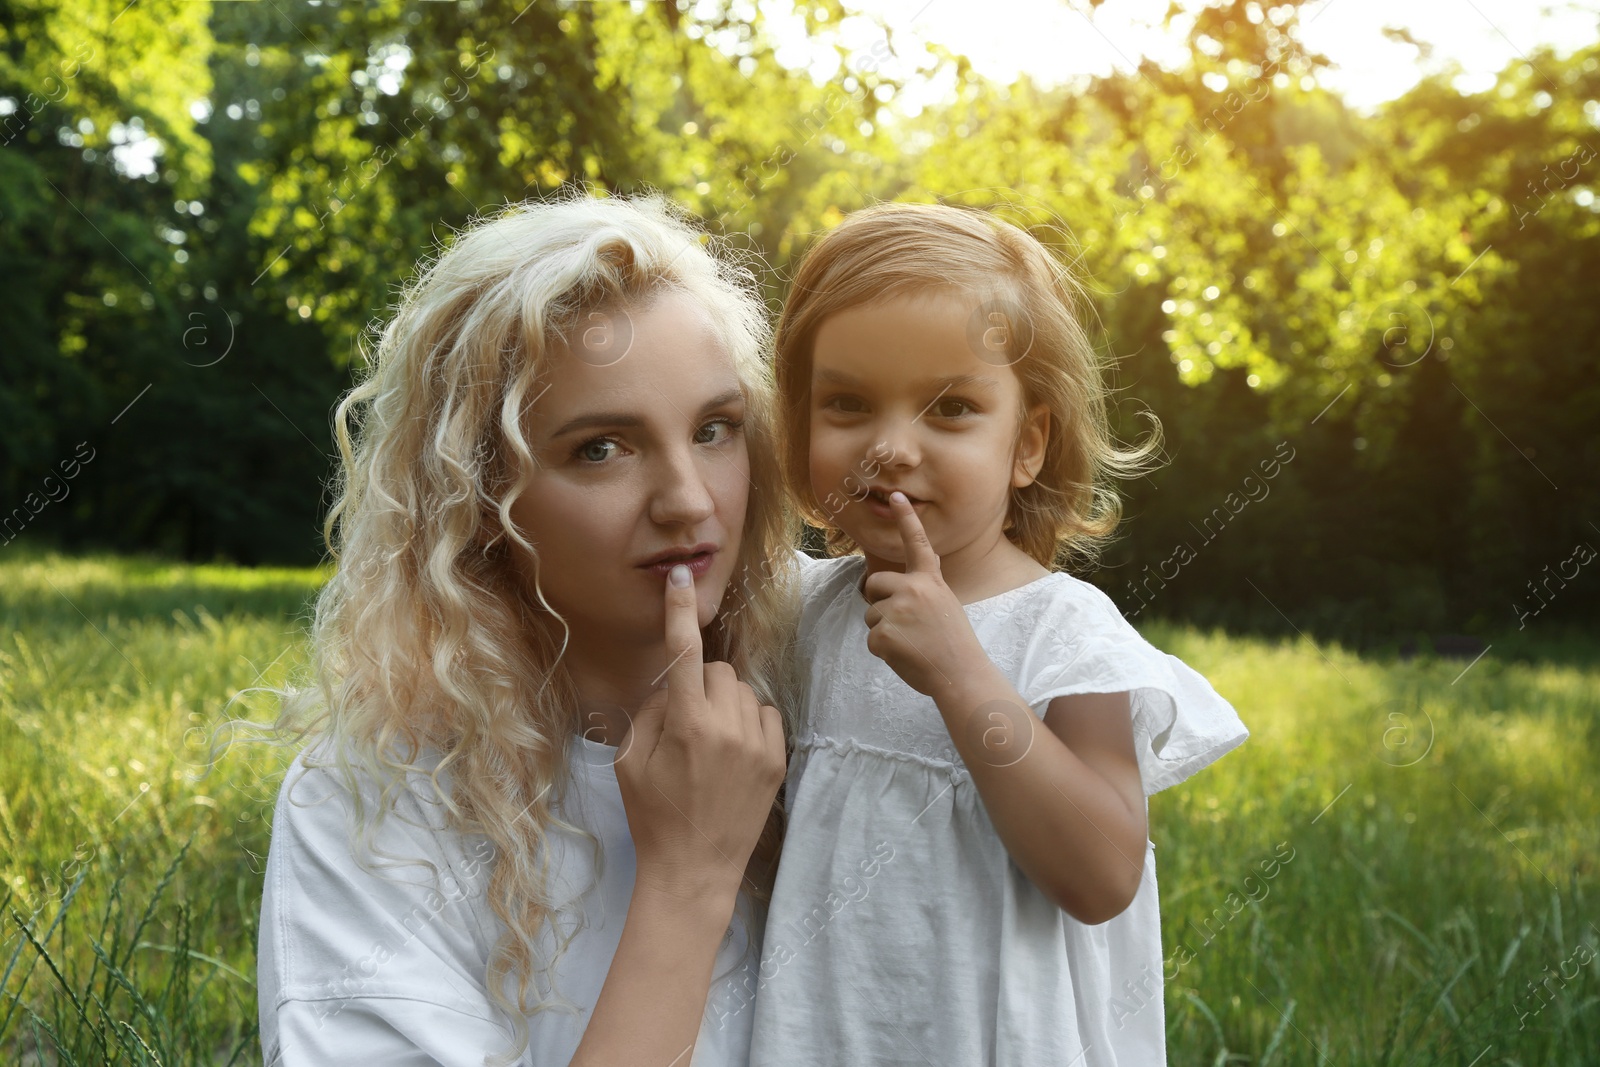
point(967, 877)
point(506, 843)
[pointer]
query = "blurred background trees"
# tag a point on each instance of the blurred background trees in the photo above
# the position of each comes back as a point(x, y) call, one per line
point(206, 209)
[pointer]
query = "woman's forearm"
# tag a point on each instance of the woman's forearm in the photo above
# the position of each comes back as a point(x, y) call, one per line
point(654, 996)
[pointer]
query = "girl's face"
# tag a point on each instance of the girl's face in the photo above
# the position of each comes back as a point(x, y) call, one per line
point(899, 400)
point(642, 464)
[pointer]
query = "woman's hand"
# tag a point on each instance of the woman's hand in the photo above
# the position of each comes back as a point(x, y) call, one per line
point(701, 765)
point(699, 768)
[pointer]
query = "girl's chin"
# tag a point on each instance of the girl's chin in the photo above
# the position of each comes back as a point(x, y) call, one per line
point(884, 546)
point(876, 536)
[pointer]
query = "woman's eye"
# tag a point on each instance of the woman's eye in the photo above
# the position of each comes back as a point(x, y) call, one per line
point(716, 431)
point(849, 405)
point(952, 409)
point(597, 451)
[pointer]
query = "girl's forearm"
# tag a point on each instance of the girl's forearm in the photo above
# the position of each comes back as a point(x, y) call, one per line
point(654, 996)
point(1074, 836)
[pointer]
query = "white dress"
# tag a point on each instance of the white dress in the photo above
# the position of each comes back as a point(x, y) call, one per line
point(900, 930)
point(387, 967)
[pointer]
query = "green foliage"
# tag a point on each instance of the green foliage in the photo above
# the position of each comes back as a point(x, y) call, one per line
point(1399, 296)
point(1401, 301)
point(399, 123)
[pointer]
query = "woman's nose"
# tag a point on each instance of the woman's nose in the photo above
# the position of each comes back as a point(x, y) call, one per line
point(682, 495)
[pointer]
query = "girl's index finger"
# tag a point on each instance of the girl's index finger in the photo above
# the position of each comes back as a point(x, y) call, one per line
point(920, 555)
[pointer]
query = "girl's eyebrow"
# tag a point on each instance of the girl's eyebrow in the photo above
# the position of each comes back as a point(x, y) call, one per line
point(618, 419)
point(954, 381)
point(961, 381)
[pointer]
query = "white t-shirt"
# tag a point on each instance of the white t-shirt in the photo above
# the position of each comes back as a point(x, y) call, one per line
point(901, 932)
point(389, 967)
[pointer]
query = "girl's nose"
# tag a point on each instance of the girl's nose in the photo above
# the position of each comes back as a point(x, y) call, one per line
point(899, 437)
point(681, 496)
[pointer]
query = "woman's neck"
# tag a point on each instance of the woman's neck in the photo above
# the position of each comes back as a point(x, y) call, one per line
point(612, 681)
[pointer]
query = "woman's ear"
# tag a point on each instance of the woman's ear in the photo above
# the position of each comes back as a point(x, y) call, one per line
point(1031, 442)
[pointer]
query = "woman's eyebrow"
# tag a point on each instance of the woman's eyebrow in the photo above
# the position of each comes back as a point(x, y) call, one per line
point(722, 399)
point(619, 419)
point(598, 418)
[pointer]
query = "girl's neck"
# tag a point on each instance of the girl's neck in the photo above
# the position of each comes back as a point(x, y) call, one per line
point(986, 567)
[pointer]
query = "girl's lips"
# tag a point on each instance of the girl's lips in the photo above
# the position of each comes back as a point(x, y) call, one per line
point(698, 564)
point(882, 510)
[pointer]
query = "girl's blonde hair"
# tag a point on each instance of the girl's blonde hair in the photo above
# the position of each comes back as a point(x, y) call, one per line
point(1027, 315)
point(431, 661)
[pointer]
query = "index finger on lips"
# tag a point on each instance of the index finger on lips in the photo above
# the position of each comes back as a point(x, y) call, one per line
point(920, 555)
point(684, 674)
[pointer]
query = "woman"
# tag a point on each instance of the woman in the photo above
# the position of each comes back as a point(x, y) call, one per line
point(505, 842)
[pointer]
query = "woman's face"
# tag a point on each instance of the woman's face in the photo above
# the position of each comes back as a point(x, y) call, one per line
point(641, 464)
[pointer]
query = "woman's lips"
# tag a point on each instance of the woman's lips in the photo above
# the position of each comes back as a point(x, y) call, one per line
point(698, 564)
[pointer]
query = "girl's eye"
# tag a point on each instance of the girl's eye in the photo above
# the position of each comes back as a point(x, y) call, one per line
point(597, 451)
point(709, 433)
point(849, 405)
point(952, 409)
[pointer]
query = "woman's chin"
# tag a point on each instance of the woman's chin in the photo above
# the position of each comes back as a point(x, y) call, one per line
point(712, 599)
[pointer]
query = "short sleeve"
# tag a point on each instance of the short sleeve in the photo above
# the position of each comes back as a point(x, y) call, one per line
point(357, 967)
point(394, 1031)
point(824, 580)
point(814, 572)
point(1082, 644)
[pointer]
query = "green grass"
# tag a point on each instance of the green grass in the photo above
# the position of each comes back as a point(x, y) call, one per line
point(1440, 863)
point(1448, 873)
point(130, 877)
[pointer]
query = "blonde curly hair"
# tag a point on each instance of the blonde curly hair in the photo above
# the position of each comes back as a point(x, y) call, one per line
point(431, 659)
point(888, 251)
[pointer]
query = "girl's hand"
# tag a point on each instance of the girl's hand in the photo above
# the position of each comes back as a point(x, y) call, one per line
point(915, 624)
point(700, 766)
